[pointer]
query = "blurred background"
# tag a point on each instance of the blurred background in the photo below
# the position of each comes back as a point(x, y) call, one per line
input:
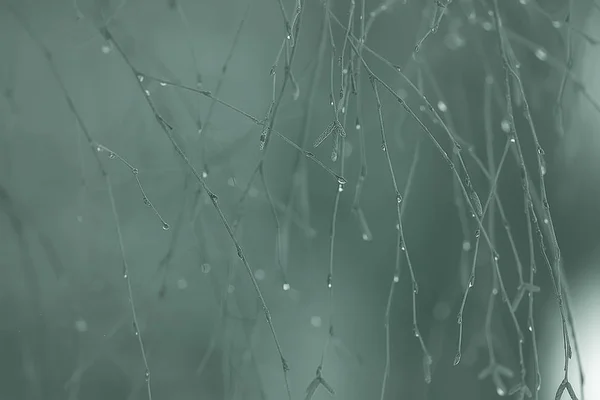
point(101, 214)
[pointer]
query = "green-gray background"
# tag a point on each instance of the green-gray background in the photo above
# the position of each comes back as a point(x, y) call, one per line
point(65, 318)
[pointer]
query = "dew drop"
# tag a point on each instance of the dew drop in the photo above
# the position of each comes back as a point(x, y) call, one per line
point(540, 151)
point(341, 180)
point(476, 203)
point(466, 246)
point(415, 288)
point(182, 284)
point(505, 125)
point(454, 41)
point(260, 274)
point(494, 291)
point(556, 24)
point(99, 149)
point(163, 84)
point(147, 375)
point(442, 106)
point(111, 155)
point(457, 358)
point(513, 140)
point(365, 237)
point(396, 279)
point(147, 92)
point(472, 281)
point(204, 174)
point(427, 361)
point(316, 321)
point(398, 198)
point(340, 188)
point(166, 226)
point(286, 286)
point(402, 93)
point(135, 171)
point(205, 268)
point(105, 49)
point(477, 233)
point(416, 332)
point(383, 148)
point(500, 391)
point(81, 325)
point(125, 276)
point(541, 54)
point(545, 203)
point(546, 221)
point(140, 77)
point(543, 168)
point(357, 124)
point(487, 26)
